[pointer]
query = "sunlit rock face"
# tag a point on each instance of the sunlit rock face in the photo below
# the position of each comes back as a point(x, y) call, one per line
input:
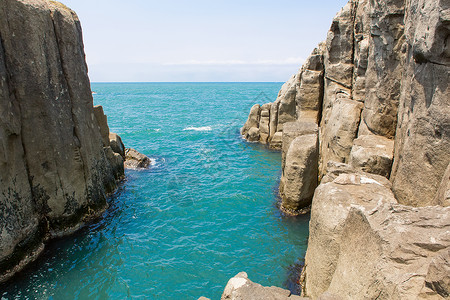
point(377, 90)
point(56, 170)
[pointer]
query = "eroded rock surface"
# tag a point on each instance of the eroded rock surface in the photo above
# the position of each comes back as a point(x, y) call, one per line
point(377, 89)
point(56, 169)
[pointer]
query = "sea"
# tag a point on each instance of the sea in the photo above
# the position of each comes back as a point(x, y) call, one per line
point(204, 211)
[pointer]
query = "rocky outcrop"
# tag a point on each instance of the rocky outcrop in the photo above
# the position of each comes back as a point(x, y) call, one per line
point(377, 89)
point(241, 288)
point(136, 160)
point(56, 170)
point(364, 245)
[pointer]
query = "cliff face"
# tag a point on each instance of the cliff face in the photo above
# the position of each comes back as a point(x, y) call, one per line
point(377, 92)
point(55, 169)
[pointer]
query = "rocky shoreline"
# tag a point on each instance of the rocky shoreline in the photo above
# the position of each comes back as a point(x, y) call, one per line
point(364, 131)
point(59, 161)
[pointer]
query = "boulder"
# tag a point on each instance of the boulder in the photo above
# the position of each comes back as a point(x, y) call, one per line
point(338, 131)
point(136, 160)
point(253, 119)
point(394, 252)
point(293, 130)
point(116, 144)
point(300, 174)
point(372, 154)
point(287, 106)
point(241, 288)
point(330, 209)
point(253, 134)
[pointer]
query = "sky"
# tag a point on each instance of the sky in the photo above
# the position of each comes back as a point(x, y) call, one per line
point(200, 40)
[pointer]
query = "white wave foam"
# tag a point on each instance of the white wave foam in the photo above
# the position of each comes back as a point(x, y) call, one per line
point(204, 128)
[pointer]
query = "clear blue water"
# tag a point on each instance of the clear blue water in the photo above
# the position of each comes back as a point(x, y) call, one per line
point(203, 212)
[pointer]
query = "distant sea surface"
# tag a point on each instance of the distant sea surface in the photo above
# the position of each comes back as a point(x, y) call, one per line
point(204, 211)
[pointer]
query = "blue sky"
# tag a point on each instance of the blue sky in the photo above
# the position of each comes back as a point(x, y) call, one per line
point(199, 40)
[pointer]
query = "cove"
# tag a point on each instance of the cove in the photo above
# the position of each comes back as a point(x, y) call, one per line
point(203, 212)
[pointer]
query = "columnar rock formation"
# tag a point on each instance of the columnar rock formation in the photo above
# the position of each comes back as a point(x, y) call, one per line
point(377, 92)
point(56, 170)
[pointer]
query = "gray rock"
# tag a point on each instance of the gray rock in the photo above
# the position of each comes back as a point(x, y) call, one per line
point(102, 121)
point(136, 160)
point(55, 171)
point(372, 154)
point(300, 174)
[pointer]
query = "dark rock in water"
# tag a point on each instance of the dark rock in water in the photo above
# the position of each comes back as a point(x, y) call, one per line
point(136, 160)
point(55, 169)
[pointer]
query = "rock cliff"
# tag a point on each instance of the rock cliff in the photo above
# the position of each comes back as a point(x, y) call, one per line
point(56, 167)
point(364, 130)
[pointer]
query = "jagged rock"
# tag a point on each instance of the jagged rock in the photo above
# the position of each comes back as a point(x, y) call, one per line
point(287, 106)
point(385, 66)
point(102, 121)
point(393, 252)
point(136, 160)
point(54, 169)
point(339, 130)
point(372, 154)
point(253, 120)
point(422, 142)
point(264, 123)
point(293, 130)
point(443, 194)
point(310, 88)
point(116, 144)
point(300, 174)
point(277, 141)
point(253, 134)
point(241, 288)
point(338, 57)
point(273, 122)
point(329, 211)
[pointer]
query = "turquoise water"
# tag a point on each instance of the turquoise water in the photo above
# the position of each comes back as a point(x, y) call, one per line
point(203, 212)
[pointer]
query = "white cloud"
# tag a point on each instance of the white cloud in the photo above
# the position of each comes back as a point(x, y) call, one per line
point(287, 61)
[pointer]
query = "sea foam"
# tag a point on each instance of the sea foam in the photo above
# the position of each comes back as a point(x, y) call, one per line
point(204, 128)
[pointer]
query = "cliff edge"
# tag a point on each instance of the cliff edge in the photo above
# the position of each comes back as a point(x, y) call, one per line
point(56, 170)
point(364, 130)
